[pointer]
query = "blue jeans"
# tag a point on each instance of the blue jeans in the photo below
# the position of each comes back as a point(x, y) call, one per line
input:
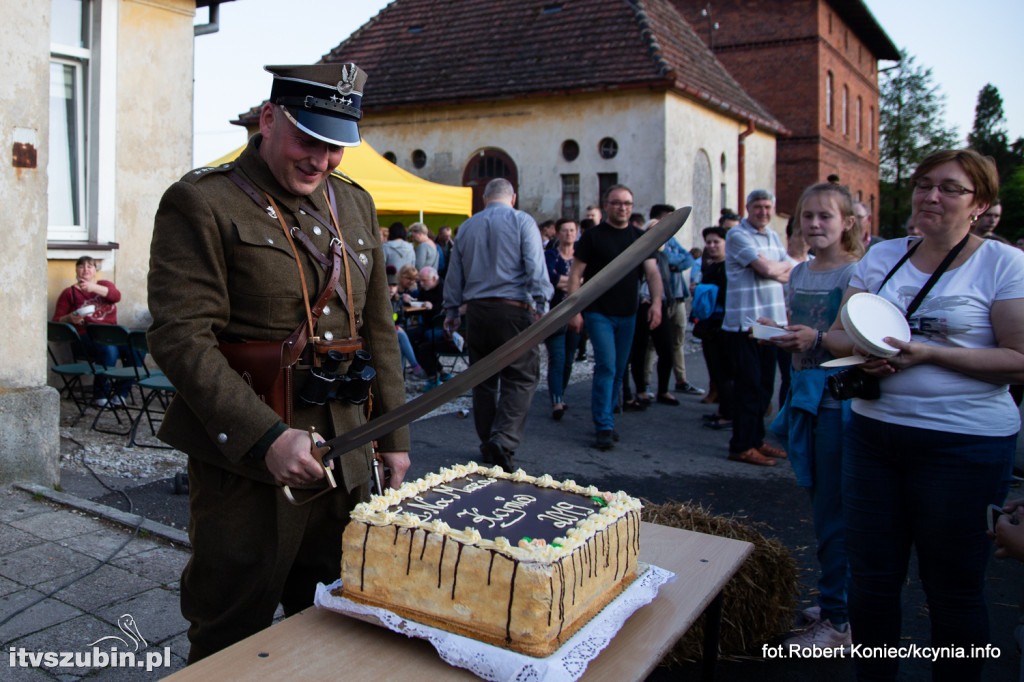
point(406, 347)
point(611, 337)
point(108, 357)
point(903, 487)
point(561, 355)
point(827, 504)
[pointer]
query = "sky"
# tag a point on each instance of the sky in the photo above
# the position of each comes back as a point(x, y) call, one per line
point(965, 44)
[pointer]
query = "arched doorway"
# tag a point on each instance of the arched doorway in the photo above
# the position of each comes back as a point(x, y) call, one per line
point(484, 166)
point(702, 195)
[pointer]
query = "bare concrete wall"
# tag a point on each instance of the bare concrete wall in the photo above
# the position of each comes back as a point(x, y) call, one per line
point(29, 446)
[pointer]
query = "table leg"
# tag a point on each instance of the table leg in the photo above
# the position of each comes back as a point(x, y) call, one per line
point(712, 629)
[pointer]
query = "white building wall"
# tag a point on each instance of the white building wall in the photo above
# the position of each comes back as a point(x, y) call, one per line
point(668, 146)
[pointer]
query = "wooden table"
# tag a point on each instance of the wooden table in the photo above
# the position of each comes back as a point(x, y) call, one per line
point(317, 644)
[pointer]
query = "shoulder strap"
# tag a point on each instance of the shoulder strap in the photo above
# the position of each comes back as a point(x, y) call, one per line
point(943, 266)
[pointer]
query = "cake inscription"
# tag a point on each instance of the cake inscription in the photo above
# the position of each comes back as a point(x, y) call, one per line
point(507, 514)
point(564, 514)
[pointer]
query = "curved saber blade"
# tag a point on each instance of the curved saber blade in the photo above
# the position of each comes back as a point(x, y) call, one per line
point(507, 353)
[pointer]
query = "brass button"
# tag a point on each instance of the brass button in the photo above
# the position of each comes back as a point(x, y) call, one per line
point(328, 335)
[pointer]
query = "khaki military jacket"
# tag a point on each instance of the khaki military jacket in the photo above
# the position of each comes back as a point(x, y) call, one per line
point(221, 269)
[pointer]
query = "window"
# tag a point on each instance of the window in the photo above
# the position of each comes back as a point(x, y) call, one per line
point(608, 148)
point(419, 158)
point(871, 128)
point(857, 121)
point(391, 156)
point(570, 150)
point(829, 99)
point(846, 110)
point(69, 64)
point(604, 181)
point(571, 196)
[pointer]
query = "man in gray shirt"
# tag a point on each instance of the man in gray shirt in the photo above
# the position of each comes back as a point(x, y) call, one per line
point(497, 271)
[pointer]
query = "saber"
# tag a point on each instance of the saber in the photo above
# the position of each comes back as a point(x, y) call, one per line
point(507, 353)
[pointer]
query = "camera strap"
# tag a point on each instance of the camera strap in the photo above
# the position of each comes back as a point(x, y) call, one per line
point(943, 266)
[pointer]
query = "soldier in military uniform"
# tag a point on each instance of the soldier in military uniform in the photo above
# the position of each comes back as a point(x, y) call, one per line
point(247, 255)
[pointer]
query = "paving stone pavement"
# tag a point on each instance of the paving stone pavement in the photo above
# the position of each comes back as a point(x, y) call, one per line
point(59, 593)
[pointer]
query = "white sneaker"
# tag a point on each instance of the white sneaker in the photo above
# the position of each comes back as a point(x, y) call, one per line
point(100, 402)
point(822, 635)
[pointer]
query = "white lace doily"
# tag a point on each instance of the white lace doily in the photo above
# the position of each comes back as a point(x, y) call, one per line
point(502, 665)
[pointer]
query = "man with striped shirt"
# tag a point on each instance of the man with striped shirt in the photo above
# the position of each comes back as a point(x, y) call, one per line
point(756, 266)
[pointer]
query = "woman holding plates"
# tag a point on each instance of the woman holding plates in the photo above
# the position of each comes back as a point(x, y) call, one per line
point(924, 459)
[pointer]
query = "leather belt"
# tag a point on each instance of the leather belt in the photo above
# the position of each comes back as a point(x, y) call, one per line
point(505, 355)
point(347, 348)
point(507, 301)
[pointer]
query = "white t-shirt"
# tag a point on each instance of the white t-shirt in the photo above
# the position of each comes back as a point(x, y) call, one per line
point(956, 313)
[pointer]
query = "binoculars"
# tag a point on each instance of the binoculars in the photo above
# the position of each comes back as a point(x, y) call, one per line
point(352, 386)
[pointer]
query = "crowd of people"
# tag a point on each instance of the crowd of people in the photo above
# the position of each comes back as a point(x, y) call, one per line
point(897, 453)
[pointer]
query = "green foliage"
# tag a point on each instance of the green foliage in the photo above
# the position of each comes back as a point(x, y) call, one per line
point(989, 137)
point(1012, 195)
point(911, 113)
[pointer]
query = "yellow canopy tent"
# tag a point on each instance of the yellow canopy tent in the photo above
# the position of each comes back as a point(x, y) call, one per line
point(398, 194)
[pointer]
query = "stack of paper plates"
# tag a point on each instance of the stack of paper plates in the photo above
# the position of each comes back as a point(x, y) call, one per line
point(868, 319)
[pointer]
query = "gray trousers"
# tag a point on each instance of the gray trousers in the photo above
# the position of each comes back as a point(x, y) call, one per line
point(501, 403)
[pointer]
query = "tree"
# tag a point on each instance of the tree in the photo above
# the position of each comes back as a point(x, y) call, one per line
point(989, 133)
point(911, 113)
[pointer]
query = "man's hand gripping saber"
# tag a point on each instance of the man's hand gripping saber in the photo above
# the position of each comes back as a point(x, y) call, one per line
point(506, 354)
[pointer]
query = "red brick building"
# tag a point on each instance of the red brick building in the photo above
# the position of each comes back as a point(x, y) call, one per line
point(814, 65)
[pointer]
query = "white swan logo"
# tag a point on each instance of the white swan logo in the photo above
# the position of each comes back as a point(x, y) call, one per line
point(127, 624)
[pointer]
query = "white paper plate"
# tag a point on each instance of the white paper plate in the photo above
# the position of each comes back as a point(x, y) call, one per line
point(765, 332)
point(86, 310)
point(868, 319)
point(848, 361)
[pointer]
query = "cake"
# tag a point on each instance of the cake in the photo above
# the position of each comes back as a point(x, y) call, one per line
point(509, 559)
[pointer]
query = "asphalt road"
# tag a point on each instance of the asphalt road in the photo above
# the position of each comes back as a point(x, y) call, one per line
point(665, 455)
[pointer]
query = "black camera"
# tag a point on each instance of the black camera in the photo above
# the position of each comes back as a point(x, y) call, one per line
point(353, 386)
point(854, 383)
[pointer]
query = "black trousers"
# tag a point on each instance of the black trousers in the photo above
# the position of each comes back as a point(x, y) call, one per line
point(753, 383)
point(501, 403)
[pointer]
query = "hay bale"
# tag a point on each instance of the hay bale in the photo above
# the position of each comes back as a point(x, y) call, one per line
point(757, 603)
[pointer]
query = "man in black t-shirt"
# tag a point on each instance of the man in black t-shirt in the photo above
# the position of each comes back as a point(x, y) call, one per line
point(611, 318)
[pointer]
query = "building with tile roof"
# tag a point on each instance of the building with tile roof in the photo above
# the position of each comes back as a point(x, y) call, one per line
point(814, 65)
point(563, 97)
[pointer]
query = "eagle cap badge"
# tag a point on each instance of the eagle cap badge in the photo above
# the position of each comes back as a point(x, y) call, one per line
point(348, 79)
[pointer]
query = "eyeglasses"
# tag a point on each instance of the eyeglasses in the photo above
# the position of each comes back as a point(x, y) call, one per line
point(946, 189)
point(618, 204)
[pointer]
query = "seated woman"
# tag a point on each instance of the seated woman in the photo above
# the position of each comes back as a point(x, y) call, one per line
point(398, 311)
point(92, 301)
point(925, 455)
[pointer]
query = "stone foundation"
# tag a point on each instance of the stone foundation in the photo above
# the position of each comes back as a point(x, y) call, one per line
point(29, 437)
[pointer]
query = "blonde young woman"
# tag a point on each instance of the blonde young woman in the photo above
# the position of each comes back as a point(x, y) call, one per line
point(923, 461)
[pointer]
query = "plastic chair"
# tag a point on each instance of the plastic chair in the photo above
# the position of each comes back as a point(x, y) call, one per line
point(155, 387)
point(118, 336)
point(64, 334)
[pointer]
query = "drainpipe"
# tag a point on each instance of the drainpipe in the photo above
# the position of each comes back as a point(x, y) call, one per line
point(212, 26)
point(741, 172)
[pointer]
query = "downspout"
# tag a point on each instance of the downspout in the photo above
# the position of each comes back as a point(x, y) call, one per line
point(212, 26)
point(741, 171)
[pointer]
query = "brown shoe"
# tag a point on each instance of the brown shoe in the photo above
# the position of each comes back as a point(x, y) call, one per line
point(772, 451)
point(752, 456)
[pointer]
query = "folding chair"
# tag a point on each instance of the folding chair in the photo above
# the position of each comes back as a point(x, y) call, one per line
point(64, 334)
point(118, 336)
point(448, 355)
point(155, 387)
